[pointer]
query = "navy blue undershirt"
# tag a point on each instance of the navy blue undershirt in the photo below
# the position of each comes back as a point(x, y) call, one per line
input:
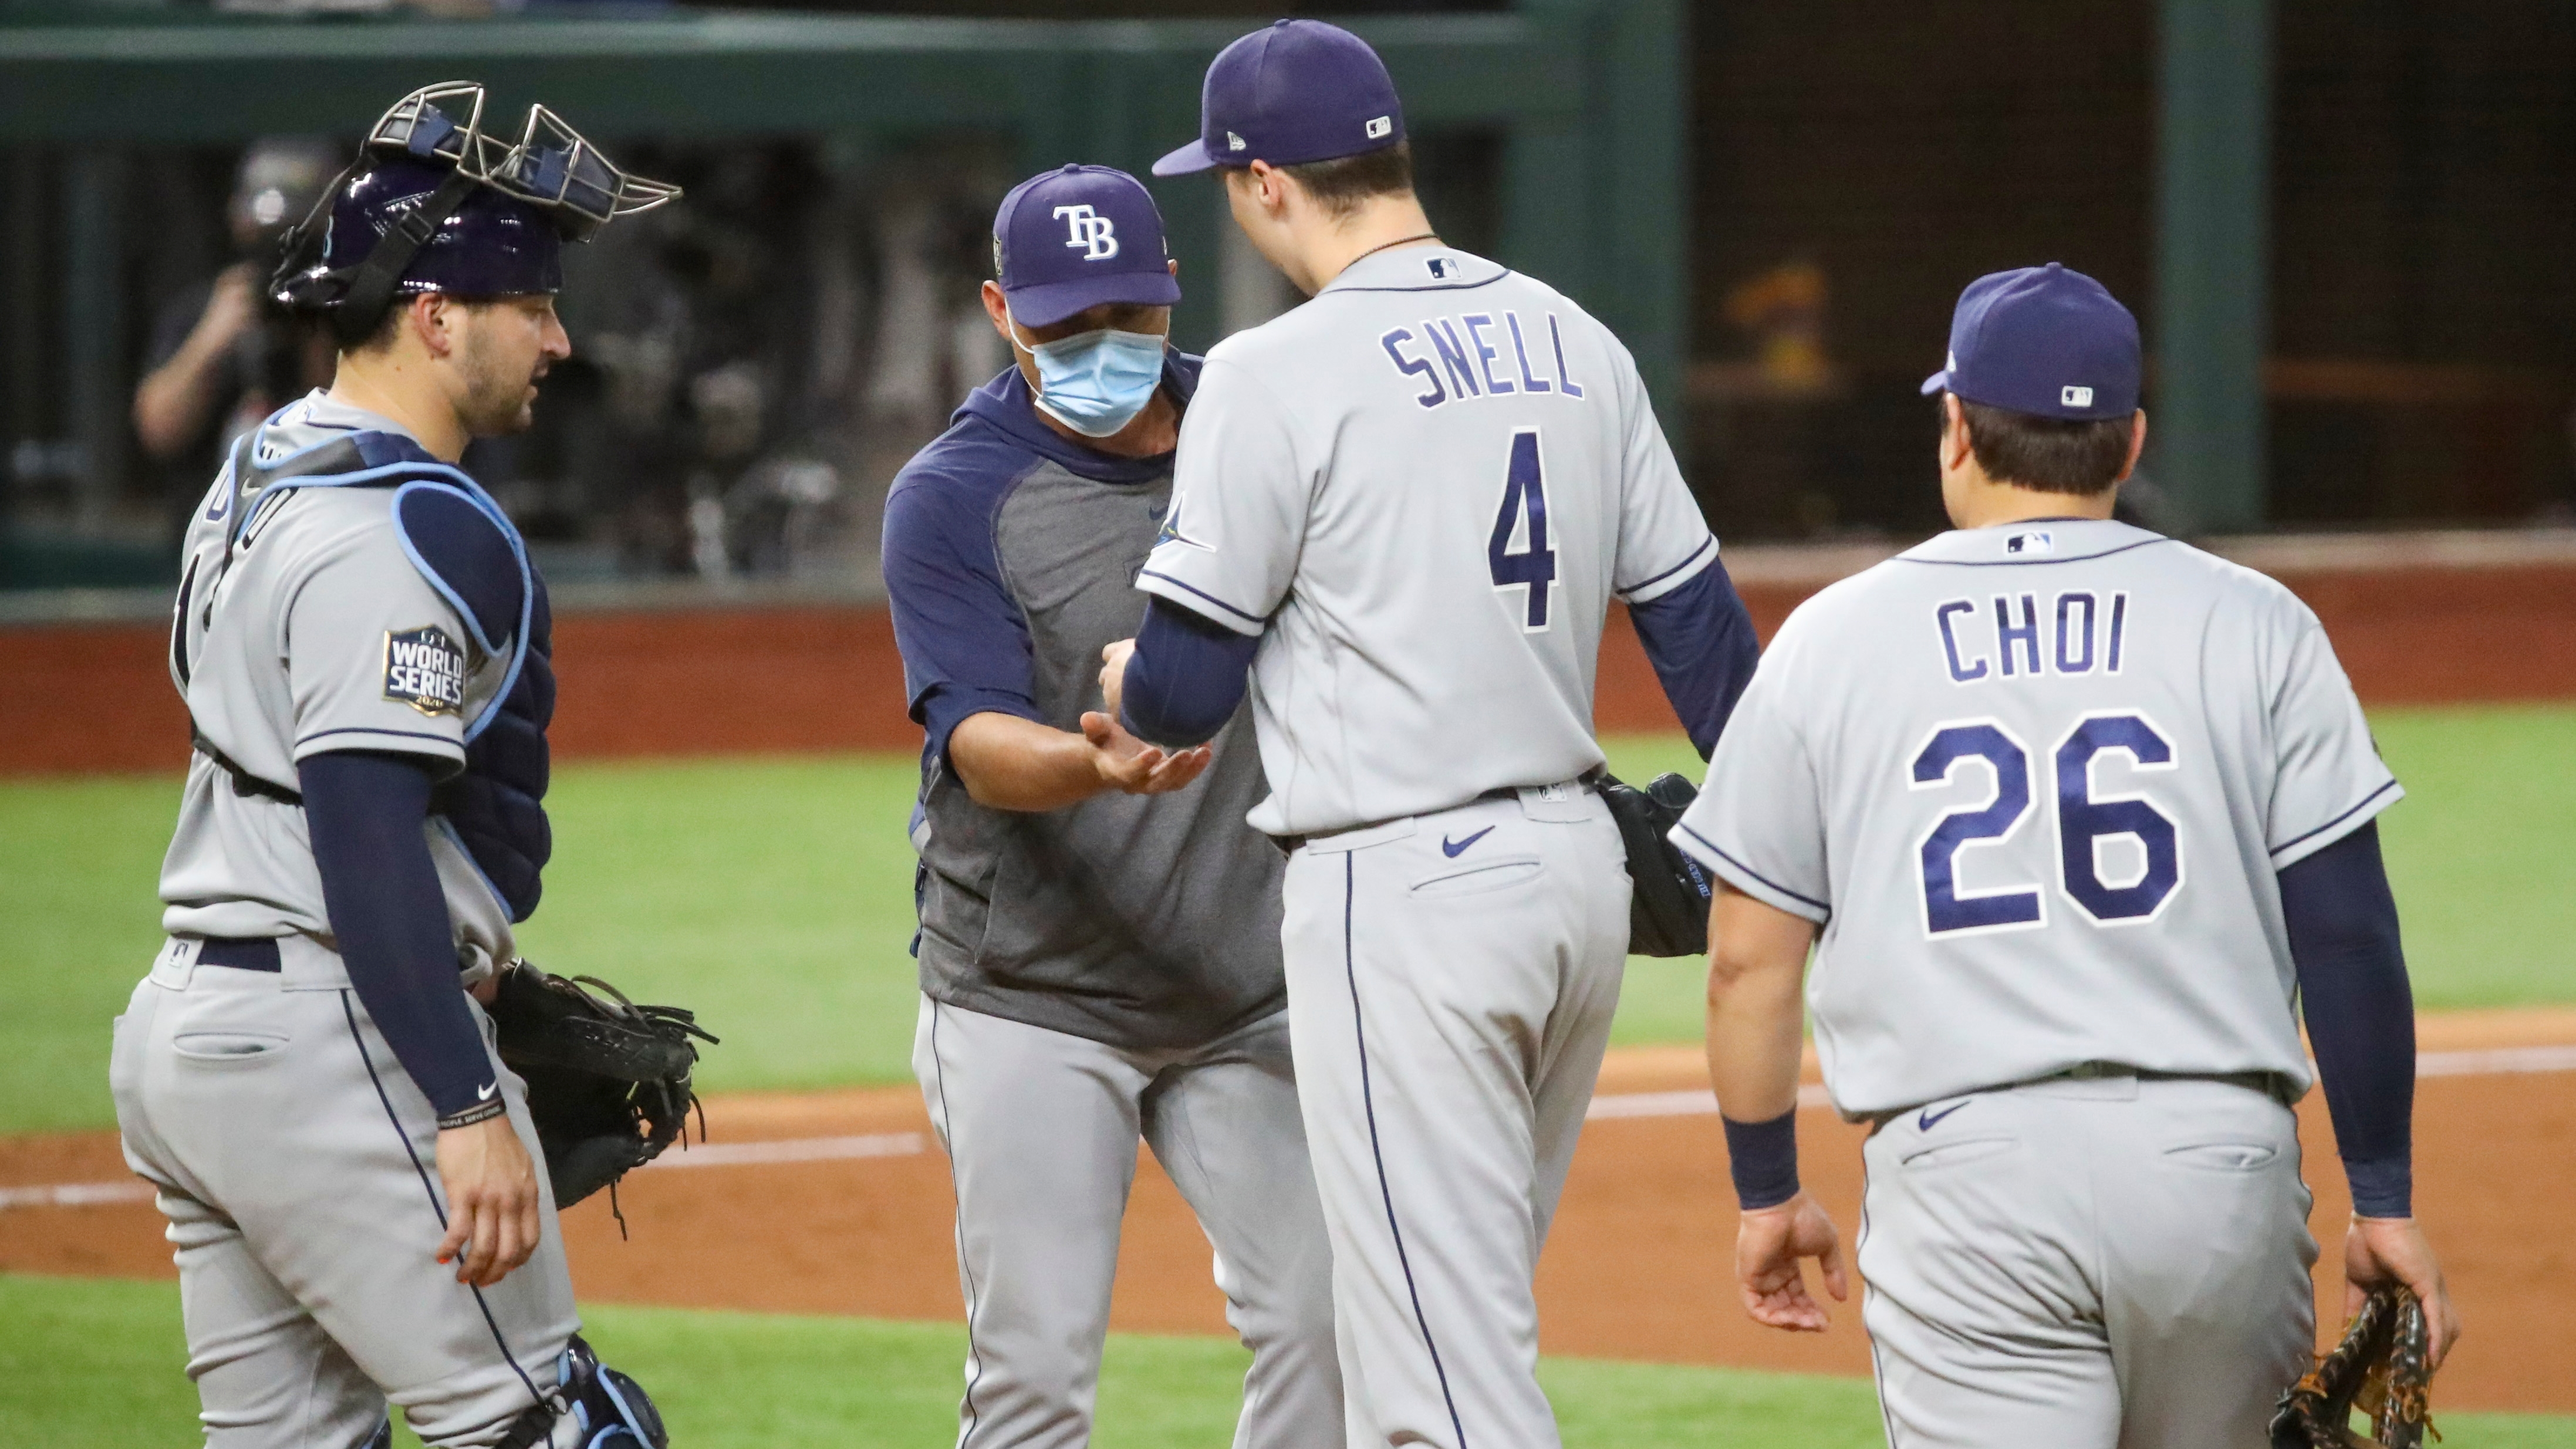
point(1186, 678)
point(1700, 640)
point(365, 812)
point(2361, 1014)
point(2351, 966)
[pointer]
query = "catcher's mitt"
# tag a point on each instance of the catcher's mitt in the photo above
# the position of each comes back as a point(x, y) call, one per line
point(2382, 1368)
point(1668, 910)
point(608, 1081)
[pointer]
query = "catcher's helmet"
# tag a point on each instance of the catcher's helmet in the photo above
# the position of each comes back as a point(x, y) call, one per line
point(434, 205)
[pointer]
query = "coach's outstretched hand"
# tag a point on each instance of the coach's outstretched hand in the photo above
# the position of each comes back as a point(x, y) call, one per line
point(1769, 1243)
point(1128, 763)
point(2388, 1252)
point(492, 1200)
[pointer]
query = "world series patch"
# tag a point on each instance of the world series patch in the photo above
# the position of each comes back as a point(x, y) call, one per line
point(425, 668)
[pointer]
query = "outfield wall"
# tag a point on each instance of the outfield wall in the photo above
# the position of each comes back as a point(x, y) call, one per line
point(2417, 618)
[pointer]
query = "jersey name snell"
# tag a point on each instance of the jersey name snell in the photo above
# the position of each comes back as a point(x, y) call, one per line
point(425, 668)
point(1457, 357)
point(2076, 632)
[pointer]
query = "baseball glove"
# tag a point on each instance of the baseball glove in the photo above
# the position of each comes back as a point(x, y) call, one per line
point(2381, 1368)
point(608, 1081)
point(1668, 910)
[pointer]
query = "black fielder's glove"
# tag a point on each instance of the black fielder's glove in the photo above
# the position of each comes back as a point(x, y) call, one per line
point(1668, 910)
point(608, 1081)
point(2382, 1368)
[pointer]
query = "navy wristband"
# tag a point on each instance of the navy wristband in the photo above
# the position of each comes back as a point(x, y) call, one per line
point(1763, 1158)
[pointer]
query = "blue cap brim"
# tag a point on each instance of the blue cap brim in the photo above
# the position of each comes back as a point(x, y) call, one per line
point(1185, 160)
point(1937, 382)
point(1048, 303)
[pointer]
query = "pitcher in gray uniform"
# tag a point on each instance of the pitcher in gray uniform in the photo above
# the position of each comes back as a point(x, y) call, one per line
point(305, 1075)
point(2076, 818)
point(1406, 505)
point(1099, 959)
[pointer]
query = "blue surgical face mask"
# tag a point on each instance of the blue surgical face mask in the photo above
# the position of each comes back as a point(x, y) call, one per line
point(1097, 382)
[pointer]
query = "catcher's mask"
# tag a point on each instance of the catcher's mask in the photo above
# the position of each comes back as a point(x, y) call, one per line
point(432, 204)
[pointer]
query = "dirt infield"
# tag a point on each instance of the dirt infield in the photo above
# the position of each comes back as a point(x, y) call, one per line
point(2417, 619)
point(851, 1215)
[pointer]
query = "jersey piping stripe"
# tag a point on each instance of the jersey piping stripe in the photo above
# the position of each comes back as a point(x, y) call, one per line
point(2295, 840)
point(1707, 546)
point(1204, 594)
point(965, 1268)
point(1750, 871)
point(303, 740)
point(1377, 1153)
point(2022, 563)
point(1431, 287)
point(360, 1042)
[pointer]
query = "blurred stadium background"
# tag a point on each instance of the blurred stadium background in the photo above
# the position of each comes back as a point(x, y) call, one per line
point(2348, 229)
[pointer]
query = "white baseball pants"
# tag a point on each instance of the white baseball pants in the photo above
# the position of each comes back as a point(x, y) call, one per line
point(2087, 1264)
point(1041, 1129)
point(1451, 980)
point(297, 1165)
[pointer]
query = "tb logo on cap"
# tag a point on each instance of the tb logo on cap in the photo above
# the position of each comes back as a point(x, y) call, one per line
point(1089, 230)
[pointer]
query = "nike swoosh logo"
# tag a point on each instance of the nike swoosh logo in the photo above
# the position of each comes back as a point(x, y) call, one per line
point(1455, 848)
point(486, 1094)
point(1931, 1119)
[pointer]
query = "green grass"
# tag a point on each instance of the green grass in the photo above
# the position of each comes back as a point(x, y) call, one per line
point(775, 897)
point(95, 1363)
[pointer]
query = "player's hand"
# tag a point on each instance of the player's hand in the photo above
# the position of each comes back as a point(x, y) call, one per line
point(492, 1200)
point(1113, 675)
point(231, 309)
point(2386, 1252)
point(1769, 1243)
point(1129, 764)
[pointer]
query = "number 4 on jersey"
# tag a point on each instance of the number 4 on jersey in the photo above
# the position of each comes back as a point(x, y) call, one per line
point(1524, 500)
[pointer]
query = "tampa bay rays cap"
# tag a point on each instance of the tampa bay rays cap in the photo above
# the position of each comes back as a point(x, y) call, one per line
point(1299, 91)
point(1076, 237)
point(2046, 341)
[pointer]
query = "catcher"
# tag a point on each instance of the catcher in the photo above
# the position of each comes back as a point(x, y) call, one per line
point(306, 1076)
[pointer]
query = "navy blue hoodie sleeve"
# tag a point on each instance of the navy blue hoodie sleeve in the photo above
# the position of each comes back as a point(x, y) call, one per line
point(1185, 678)
point(965, 644)
point(2361, 1014)
point(365, 813)
point(1700, 640)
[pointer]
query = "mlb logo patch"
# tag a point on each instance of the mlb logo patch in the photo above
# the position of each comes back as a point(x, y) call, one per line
point(1442, 268)
point(2076, 397)
point(2030, 543)
point(1379, 127)
point(425, 668)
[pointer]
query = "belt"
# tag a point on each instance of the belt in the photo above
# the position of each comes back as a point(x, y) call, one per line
point(2269, 1084)
point(242, 953)
point(1289, 844)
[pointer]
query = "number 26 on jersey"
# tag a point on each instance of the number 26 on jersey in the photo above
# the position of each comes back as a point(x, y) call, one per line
point(2118, 857)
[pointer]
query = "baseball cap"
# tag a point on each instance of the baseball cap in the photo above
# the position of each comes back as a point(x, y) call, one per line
point(2046, 341)
point(1076, 237)
point(1299, 91)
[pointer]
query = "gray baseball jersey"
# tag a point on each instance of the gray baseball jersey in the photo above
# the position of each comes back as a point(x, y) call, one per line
point(2036, 783)
point(1425, 484)
point(312, 630)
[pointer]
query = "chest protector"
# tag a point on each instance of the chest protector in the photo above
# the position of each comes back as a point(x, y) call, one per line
point(472, 555)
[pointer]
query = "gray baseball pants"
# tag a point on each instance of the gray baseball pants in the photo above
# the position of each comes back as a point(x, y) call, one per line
point(1451, 980)
point(1041, 1130)
point(2087, 1264)
point(296, 1163)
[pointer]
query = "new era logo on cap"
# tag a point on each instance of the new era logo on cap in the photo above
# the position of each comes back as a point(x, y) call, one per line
point(1233, 142)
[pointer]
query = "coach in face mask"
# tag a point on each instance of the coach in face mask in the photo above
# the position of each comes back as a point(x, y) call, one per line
point(1099, 956)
